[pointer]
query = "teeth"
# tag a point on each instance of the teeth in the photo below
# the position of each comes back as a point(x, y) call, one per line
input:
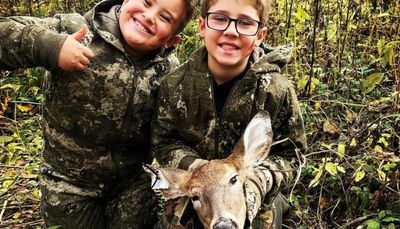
point(228, 47)
point(141, 27)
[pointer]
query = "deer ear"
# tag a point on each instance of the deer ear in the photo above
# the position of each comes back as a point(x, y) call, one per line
point(257, 139)
point(171, 182)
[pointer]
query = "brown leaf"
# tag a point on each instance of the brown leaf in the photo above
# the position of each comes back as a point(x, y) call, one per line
point(330, 127)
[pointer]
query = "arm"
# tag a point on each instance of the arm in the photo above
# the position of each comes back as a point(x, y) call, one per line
point(169, 147)
point(29, 42)
point(279, 168)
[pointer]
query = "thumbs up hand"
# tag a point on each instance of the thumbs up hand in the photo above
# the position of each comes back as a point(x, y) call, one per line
point(73, 55)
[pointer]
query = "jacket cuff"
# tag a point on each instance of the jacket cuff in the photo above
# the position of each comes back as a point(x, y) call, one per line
point(47, 48)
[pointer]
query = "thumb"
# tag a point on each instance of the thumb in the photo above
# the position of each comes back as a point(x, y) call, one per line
point(80, 34)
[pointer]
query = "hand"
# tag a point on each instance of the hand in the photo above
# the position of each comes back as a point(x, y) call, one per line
point(73, 55)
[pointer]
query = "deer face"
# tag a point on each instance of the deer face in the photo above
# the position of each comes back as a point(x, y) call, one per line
point(216, 188)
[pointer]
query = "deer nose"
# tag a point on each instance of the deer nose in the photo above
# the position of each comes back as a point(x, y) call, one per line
point(225, 224)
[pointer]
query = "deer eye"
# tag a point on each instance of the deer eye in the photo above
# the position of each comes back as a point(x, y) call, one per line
point(233, 180)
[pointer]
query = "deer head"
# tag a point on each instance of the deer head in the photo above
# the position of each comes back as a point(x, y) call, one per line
point(216, 187)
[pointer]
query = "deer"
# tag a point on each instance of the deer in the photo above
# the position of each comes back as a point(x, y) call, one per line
point(216, 188)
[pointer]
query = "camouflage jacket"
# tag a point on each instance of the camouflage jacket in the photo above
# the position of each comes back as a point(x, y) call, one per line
point(96, 121)
point(185, 125)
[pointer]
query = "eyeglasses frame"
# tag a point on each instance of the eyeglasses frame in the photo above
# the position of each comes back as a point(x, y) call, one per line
point(235, 21)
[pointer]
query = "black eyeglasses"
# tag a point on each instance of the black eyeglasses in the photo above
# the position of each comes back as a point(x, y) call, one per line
point(221, 22)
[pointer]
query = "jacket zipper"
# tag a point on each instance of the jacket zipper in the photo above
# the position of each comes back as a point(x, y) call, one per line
point(218, 119)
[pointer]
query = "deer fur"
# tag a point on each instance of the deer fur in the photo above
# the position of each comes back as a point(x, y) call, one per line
point(216, 188)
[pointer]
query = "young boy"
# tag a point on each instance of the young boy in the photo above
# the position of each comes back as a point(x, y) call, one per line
point(204, 106)
point(96, 120)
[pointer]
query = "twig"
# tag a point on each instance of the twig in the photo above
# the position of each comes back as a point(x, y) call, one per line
point(12, 166)
point(3, 210)
point(359, 219)
point(316, 19)
point(25, 102)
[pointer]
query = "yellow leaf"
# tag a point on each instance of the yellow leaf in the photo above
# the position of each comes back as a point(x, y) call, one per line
point(382, 175)
point(341, 149)
point(378, 149)
point(14, 87)
point(331, 127)
point(371, 81)
point(328, 146)
point(315, 181)
point(24, 108)
point(8, 183)
point(383, 141)
point(383, 15)
point(302, 82)
point(331, 168)
point(359, 175)
point(317, 106)
point(4, 139)
point(36, 194)
point(17, 215)
point(350, 117)
point(302, 15)
point(341, 169)
point(353, 142)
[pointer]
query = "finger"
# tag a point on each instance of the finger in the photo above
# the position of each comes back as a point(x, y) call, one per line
point(79, 67)
point(80, 34)
point(84, 61)
point(88, 52)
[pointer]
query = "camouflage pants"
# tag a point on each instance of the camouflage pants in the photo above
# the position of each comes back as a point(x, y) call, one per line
point(269, 217)
point(130, 203)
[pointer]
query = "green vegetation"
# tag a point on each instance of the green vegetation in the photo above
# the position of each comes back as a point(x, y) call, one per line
point(346, 68)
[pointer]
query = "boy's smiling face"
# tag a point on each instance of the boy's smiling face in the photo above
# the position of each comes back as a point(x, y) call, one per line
point(150, 24)
point(228, 49)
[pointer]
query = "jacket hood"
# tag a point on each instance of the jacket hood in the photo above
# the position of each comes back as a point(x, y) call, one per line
point(104, 20)
point(272, 58)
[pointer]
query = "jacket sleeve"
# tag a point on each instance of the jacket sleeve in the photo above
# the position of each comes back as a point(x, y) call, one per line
point(29, 42)
point(290, 140)
point(168, 146)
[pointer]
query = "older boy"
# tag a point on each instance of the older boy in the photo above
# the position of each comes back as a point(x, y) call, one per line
point(204, 106)
point(96, 121)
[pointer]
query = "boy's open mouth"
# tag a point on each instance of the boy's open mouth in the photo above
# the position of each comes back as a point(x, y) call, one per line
point(228, 47)
point(142, 27)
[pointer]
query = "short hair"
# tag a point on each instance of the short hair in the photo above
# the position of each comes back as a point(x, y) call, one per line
point(262, 6)
point(189, 8)
point(188, 13)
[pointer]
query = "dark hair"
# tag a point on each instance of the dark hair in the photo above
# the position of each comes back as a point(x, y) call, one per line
point(188, 13)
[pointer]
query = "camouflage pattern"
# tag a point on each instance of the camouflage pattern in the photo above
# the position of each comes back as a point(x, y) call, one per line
point(96, 121)
point(186, 127)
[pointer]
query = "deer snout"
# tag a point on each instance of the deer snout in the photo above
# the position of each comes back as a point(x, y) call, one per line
point(225, 224)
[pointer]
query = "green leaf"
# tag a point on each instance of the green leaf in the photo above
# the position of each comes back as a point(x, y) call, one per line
point(371, 81)
point(381, 214)
point(372, 224)
point(390, 219)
